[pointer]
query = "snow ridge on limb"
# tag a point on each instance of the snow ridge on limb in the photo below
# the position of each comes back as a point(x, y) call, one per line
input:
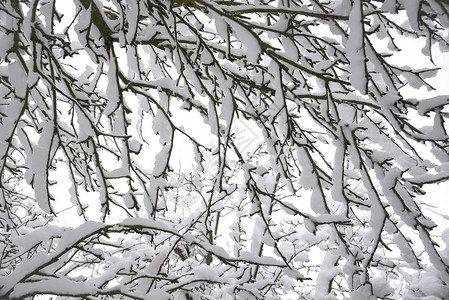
point(29, 278)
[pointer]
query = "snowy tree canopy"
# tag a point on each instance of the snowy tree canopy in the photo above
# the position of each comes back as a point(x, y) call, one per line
point(260, 149)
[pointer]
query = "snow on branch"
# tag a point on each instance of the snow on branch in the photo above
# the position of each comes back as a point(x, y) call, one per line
point(212, 149)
